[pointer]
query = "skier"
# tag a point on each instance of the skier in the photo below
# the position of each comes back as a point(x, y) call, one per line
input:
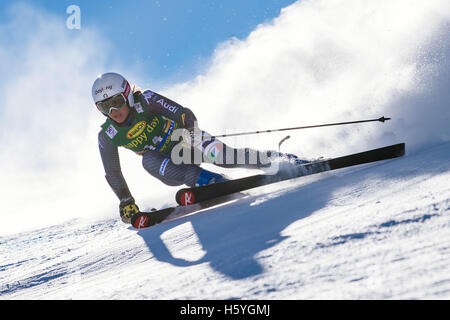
point(145, 122)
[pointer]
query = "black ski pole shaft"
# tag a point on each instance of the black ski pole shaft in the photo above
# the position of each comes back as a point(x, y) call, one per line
point(382, 119)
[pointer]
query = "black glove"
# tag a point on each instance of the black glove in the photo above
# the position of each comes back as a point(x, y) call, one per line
point(127, 208)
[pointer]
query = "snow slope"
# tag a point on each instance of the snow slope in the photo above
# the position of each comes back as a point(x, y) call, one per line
point(378, 231)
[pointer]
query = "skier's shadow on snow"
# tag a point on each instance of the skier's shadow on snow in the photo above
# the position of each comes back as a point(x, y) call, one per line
point(233, 235)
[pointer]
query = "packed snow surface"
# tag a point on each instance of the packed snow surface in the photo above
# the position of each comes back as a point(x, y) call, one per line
point(377, 231)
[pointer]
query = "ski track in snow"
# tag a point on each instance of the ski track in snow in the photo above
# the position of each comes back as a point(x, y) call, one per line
point(378, 231)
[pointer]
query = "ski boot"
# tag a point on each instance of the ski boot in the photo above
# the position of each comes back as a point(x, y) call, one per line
point(207, 177)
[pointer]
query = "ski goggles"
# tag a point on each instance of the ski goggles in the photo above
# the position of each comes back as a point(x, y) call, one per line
point(114, 103)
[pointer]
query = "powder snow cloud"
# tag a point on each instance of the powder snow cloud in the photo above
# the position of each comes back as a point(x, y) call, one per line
point(327, 61)
point(319, 61)
point(50, 165)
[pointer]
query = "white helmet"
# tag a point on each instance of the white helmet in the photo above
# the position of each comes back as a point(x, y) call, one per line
point(109, 85)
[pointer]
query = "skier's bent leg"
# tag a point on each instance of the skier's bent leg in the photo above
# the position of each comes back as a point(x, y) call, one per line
point(161, 167)
point(220, 154)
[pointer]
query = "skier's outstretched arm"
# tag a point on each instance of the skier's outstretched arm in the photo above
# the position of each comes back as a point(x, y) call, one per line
point(113, 174)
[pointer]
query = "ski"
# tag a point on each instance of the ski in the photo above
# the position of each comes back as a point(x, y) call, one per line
point(147, 219)
point(144, 219)
point(189, 196)
point(193, 200)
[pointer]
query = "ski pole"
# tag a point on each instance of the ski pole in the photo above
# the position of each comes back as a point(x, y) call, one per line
point(382, 119)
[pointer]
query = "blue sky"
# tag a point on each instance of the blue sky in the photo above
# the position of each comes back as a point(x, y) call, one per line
point(170, 39)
